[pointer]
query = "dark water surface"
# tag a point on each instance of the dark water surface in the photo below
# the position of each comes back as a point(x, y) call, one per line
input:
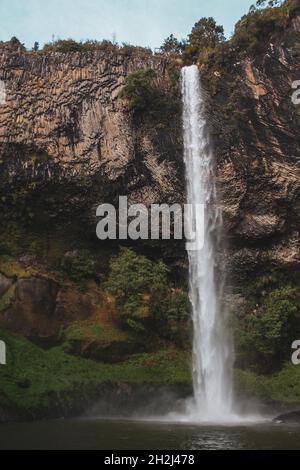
point(136, 435)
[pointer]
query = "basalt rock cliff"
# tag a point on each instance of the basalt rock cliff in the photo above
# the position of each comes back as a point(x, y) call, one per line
point(64, 123)
point(69, 140)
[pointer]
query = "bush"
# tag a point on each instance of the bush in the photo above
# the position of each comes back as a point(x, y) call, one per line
point(70, 45)
point(147, 100)
point(264, 337)
point(256, 28)
point(66, 46)
point(143, 296)
point(174, 318)
point(133, 282)
point(139, 90)
point(13, 45)
point(78, 265)
point(282, 387)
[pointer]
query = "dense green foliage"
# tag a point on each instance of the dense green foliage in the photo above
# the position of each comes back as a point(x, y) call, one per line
point(70, 45)
point(37, 381)
point(133, 282)
point(66, 46)
point(207, 42)
point(281, 387)
point(205, 36)
point(13, 45)
point(271, 322)
point(140, 90)
point(171, 46)
point(143, 296)
point(254, 29)
point(148, 100)
point(78, 265)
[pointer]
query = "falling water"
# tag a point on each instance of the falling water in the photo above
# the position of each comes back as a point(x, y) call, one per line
point(211, 344)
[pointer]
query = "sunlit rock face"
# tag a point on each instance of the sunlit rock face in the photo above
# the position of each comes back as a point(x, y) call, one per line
point(258, 159)
point(64, 123)
point(66, 107)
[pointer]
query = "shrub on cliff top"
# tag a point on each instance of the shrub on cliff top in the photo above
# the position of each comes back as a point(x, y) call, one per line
point(70, 45)
point(13, 45)
point(147, 100)
point(139, 90)
point(260, 25)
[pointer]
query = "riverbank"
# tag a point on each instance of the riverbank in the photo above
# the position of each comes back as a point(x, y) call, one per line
point(48, 383)
point(39, 383)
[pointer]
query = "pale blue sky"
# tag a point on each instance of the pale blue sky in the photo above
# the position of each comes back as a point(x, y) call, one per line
point(141, 22)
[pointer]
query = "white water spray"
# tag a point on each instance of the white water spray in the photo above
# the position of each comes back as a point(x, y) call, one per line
point(211, 345)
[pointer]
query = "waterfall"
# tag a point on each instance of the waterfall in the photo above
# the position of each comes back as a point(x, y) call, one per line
point(211, 343)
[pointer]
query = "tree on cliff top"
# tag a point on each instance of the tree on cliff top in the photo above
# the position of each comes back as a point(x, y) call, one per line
point(206, 34)
point(13, 44)
point(270, 3)
point(171, 45)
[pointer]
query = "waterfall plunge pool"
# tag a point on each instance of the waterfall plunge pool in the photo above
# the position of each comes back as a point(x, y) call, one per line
point(89, 434)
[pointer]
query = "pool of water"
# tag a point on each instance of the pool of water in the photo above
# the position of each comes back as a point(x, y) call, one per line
point(138, 435)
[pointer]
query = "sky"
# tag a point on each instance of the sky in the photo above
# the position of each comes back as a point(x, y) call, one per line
point(138, 22)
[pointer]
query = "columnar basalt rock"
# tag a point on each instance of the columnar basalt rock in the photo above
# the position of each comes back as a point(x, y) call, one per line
point(64, 120)
point(67, 106)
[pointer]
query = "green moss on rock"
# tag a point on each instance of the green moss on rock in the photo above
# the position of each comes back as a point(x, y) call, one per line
point(7, 298)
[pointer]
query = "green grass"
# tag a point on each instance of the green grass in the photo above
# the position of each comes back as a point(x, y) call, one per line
point(90, 331)
point(282, 387)
point(36, 380)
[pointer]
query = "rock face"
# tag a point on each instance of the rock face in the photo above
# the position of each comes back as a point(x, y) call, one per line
point(69, 142)
point(258, 160)
point(5, 284)
point(40, 307)
point(63, 116)
point(32, 312)
point(293, 417)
